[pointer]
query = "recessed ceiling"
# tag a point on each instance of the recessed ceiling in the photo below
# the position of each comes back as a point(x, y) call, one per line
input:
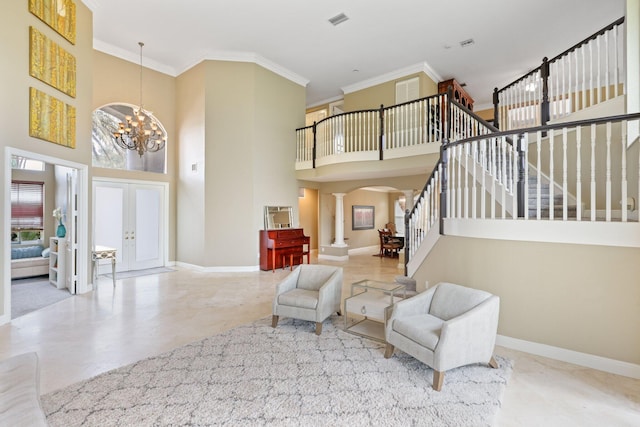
point(380, 37)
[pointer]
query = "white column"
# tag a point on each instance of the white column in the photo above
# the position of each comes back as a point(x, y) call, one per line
point(408, 199)
point(339, 220)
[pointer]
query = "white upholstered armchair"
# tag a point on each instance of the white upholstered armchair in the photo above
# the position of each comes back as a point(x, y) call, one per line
point(311, 292)
point(445, 327)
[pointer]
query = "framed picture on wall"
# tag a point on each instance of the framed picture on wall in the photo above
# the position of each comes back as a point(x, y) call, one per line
point(362, 217)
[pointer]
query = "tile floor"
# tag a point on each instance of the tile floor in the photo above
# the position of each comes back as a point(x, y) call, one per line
point(83, 336)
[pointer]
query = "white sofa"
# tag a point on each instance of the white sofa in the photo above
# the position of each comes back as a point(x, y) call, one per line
point(20, 392)
point(27, 261)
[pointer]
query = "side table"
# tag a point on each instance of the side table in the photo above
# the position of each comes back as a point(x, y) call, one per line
point(364, 310)
point(103, 252)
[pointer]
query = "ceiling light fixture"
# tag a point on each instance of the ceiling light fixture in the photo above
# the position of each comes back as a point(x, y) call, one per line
point(142, 132)
point(338, 19)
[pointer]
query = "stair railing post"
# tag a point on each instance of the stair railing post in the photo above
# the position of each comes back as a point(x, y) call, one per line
point(407, 240)
point(314, 146)
point(381, 142)
point(521, 183)
point(448, 114)
point(496, 108)
point(443, 184)
point(544, 106)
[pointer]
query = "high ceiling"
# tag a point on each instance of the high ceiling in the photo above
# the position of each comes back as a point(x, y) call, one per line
point(380, 38)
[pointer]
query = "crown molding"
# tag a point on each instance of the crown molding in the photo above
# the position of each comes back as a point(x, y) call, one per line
point(132, 57)
point(421, 67)
point(326, 101)
point(91, 4)
point(239, 56)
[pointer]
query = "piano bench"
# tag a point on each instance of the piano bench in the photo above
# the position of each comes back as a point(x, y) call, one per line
point(295, 255)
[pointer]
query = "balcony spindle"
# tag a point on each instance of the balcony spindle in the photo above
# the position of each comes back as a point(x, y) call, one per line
point(608, 174)
point(623, 178)
point(565, 190)
point(579, 173)
point(593, 172)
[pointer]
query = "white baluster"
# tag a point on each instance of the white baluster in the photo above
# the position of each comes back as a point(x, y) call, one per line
point(459, 182)
point(483, 186)
point(503, 165)
point(579, 173)
point(591, 88)
point(616, 65)
point(606, 65)
point(623, 140)
point(526, 175)
point(599, 72)
point(569, 102)
point(551, 178)
point(565, 191)
point(466, 180)
point(539, 176)
point(562, 102)
point(593, 172)
point(584, 78)
point(494, 142)
point(577, 93)
point(474, 165)
point(608, 175)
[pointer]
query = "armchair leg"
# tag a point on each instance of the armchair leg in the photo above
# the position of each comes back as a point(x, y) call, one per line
point(274, 321)
point(438, 379)
point(318, 328)
point(493, 363)
point(388, 351)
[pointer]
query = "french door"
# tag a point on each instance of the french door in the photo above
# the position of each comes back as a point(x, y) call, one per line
point(130, 218)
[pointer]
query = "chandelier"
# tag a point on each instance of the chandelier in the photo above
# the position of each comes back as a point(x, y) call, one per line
point(141, 132)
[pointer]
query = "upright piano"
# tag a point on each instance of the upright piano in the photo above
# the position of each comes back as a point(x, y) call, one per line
point(281, 245)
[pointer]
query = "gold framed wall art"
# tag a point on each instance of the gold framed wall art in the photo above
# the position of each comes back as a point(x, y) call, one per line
point(58, 14)
point(51, 64)
point(51, 119)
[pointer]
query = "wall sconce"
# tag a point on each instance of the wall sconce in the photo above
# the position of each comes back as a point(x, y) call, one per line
point(301, 192)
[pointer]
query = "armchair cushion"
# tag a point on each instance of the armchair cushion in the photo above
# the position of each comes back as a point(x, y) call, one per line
point(313, 278)
point(299, 298)
point(451, 300)
point(424, 329)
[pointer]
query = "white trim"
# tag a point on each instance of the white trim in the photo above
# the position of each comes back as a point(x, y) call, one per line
point(624, 234)
point(231, 56)
point(91, 4)
point(403, 72)
point(118, 52)
point(82, 260)
point(363, 250)
point(230, 269)
point(600, 363)
point(334, 257)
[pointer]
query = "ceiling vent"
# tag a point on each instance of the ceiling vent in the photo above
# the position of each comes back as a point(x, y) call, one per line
point(338, 19)
point(467, 42)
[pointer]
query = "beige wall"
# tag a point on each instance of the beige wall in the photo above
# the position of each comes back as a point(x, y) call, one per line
point(118, 81)
point(363, 238)
point(577, 297)
point(236, 121)
point(385, 93)
point(14, 102)
point(308, 208)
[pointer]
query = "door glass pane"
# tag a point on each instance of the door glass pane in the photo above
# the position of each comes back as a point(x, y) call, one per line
point(147, 224)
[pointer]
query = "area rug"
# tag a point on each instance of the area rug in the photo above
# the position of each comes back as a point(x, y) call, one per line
point(34, 293)
point(255, 375)
point(138, 273)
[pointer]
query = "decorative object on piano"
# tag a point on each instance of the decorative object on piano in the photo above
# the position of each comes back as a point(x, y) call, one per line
point(276, 217)
point(362, 217)
point(141, 132)
point(279, 247)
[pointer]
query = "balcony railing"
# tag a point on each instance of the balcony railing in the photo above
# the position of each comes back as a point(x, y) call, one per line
point(584, 75)
point(383, 133)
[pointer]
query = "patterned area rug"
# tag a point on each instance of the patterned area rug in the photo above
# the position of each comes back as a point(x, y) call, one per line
point(255, 375)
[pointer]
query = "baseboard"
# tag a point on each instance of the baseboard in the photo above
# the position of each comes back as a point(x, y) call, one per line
point(230, 269)
point(612, 366)
point(5, 318)
point(364, 250)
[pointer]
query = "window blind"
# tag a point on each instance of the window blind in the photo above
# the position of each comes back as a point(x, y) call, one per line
point(27, 204)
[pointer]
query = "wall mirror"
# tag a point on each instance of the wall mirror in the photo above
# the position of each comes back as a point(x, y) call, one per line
point(278, 217)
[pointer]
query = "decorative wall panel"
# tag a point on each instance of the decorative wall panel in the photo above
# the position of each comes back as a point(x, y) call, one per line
point(58, 14)
point(51, 119)
point(51, 64)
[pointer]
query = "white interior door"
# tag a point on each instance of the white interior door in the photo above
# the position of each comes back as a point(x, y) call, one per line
point(71, 272)
point(130, 218)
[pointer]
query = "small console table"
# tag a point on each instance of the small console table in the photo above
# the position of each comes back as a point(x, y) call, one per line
point(103, 252)
point(365, 310)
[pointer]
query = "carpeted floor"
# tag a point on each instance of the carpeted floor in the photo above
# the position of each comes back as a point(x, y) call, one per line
point(254, 375)
point(33, 293)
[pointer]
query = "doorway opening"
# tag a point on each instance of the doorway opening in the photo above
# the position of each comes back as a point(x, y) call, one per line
point(68, 183)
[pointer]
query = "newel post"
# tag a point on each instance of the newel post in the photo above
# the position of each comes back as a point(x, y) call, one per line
point(447, 134)
point(407, 240)
point(544, 106)
point(521, 147)
point(381, 141)
point(496, 108)
point(443, 184)
point(314, 146)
